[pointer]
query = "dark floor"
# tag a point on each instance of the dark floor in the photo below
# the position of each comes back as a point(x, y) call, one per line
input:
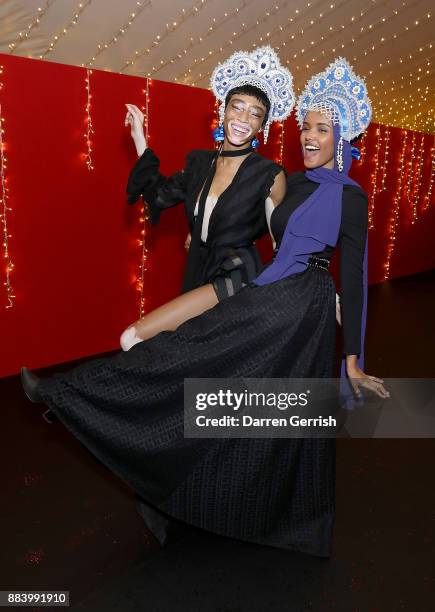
point(67, 523)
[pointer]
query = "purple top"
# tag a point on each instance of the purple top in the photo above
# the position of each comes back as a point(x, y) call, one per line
point(312, 226)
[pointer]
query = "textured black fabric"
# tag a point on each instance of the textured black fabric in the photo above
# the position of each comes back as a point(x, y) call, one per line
point(351, 243)
point(128, 410)
point(237, 270)
point(237, 220)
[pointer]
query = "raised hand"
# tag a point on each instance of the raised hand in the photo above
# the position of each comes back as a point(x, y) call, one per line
point(135, 119)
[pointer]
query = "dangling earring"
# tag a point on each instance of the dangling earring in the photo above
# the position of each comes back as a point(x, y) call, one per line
point(266, 132)
point(255, 143)
point(218, 133)
point(340, 155)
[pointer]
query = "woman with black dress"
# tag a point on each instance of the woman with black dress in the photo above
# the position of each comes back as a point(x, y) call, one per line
point(225, 192)
point(128, 409)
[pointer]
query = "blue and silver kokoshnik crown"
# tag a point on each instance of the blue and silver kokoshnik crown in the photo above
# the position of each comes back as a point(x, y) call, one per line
point(262, 69)
point(339, 94)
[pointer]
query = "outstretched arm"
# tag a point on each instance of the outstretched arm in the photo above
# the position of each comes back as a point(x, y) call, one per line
point(145, 178)
point(352, 247)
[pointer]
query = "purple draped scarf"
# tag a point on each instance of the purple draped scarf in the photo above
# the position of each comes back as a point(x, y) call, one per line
point(312, 226)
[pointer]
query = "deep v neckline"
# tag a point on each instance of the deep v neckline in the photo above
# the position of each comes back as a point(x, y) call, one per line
point(225, 191)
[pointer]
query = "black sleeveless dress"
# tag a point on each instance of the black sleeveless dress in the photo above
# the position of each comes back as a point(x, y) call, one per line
point(228, 259)
point(128, 409)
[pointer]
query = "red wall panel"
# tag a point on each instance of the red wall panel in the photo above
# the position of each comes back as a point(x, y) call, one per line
point(75, 241)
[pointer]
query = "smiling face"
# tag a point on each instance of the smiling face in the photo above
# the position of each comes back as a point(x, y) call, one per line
point(244, 116)
point(317, 140)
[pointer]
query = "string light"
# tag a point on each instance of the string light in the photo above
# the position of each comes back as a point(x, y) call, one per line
point(409, 111)
point(281, 142)
point(374, 178)
point(427, 200)
point(89, 128)
point(120, 32)
point(362, 147)
point(394, 220)
point(144, 260)
point(33, 24)
point(236, 36)
point(5, 209)
point(73, 21)
point(381, 100)
point(410, 168)
point(325, 37)
point(302, 32)
point(170, 28)
point(418, 178)
point(145, 108)
point(386, 149)
point(144, 213)
point(215, 24)
point(279, 30)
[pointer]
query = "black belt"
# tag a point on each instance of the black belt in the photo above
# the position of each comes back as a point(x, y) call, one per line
point(315, 261)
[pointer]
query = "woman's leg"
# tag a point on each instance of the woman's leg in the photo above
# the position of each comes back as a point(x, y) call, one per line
point(169, 316)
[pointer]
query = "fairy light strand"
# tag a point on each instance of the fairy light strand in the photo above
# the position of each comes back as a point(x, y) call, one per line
point(418, 175)
point(386, 148)
point(412, 180)
point(144, 260)
point(72, 22)
point(413, 114)
point(171, 27)
point(427, 200)
point(281, 142)
point(215, 24)
point(144, 217)
point(5, 209)
point(374, 177)
point(410, 169)
point(24, 35)
point(292, 24)
point(141, 6)
point(363, 147)
point(394, 220)
point(89, 127)
point(236, 35)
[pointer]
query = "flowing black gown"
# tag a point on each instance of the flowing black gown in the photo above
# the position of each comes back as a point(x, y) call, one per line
point(228, 259)
point(128, 409)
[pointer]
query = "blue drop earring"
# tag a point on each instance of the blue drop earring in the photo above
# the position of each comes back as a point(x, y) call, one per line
point(255, 143)
point(218, 134)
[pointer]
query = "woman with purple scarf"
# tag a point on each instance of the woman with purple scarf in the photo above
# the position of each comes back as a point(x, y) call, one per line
point(128, 409)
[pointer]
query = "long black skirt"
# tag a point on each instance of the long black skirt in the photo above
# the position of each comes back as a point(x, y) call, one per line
point(128, 411)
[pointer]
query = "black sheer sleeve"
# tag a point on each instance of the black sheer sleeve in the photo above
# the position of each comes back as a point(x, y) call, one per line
point(158, 191)
point(274, 171)
point(352, 243)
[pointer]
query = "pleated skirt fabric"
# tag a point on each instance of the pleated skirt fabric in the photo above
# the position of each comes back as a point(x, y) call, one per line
point(128, 411)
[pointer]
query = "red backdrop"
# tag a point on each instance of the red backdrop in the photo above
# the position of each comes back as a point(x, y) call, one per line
point(75, 242)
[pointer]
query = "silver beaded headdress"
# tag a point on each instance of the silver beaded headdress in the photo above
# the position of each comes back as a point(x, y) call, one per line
point(339, 94)
point(262, 69)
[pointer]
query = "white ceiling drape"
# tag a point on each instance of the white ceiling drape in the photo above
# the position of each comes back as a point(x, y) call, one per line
point(390, 42)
